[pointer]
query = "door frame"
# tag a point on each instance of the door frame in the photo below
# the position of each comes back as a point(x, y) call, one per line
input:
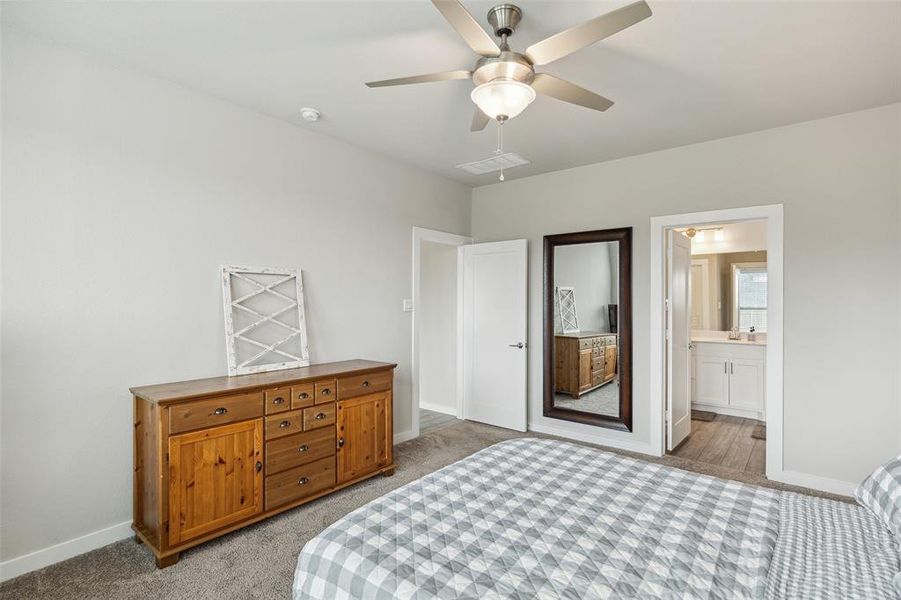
point(420, 235)
point(773, 214)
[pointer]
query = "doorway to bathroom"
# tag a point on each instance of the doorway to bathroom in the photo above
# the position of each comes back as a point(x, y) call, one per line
point(716, 316)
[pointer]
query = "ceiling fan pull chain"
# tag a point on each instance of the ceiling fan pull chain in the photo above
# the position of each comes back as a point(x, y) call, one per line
point(500, 142)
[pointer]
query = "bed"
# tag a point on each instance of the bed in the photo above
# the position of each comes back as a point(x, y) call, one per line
point(537, 518)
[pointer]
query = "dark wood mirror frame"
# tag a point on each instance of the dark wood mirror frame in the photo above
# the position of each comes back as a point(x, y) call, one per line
point(623, 237)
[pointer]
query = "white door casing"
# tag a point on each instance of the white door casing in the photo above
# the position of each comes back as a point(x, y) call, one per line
point(678, 389)
point(495, 289)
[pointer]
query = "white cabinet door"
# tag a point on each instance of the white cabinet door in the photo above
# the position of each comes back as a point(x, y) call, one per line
point(746, 383)
point(711, 380)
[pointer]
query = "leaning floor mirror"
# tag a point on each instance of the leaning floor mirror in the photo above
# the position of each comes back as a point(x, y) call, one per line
point(588, 327)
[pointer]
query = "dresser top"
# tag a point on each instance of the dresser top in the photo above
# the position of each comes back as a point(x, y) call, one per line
point(166, 393)
point(582, 334)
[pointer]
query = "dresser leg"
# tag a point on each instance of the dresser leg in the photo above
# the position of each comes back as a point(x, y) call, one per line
point(389, 472)
point(138, 540)
point(166, 561)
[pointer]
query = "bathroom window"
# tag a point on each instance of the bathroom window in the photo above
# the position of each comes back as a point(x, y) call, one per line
point(749, 296)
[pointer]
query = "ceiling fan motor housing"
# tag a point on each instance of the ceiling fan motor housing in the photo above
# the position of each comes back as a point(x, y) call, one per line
point(504, 18)
point(507, 65)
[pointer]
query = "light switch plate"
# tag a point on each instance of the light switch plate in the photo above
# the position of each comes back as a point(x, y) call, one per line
point(408, 305)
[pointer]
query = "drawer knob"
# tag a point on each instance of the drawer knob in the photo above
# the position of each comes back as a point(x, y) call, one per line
point(326, 391)
point(303, 481)
point(278, 400)
point(303, 448)
point(320, 416)
point(220, 411)
point(303, 396)
point(284, 424)
point(365, 384)
point(341, 442)
point(259, 466)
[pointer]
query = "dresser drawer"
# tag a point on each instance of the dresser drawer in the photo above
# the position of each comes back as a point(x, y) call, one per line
point(302, 395)
point(325, 391)
point(318, 416)
point(278, 400)
point(585, 344)
point(284, 424)
point(216, 411)
point(299, 449)
point(300, 482)
point(360, 385)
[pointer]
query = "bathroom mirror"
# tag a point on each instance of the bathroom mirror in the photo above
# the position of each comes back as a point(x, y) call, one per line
point(588, 327)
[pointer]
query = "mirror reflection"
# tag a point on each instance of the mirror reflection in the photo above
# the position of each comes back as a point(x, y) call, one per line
point(586, 341)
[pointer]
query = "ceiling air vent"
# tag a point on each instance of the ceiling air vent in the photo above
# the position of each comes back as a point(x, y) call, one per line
point(493, 164)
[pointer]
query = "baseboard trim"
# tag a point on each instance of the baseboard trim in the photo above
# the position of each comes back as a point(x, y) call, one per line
point(815, 482)
point(628, 445)
point(732, 412)
point(438, 408)
point(64, 550)
point(403, 436)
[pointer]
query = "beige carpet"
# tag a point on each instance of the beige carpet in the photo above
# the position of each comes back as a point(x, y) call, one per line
point(258, 561)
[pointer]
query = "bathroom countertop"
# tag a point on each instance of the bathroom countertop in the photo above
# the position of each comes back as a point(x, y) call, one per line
point(720, 340)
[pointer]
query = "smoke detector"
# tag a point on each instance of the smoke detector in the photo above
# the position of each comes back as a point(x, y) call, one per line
point(310, 114)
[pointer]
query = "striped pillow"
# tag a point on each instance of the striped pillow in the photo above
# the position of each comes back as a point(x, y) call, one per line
point(880, 493)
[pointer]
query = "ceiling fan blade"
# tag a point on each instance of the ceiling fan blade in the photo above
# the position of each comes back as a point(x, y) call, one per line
point(479, 120)
point(468, 28)
point(569, 92)
point(566, 42)
point(443, 76)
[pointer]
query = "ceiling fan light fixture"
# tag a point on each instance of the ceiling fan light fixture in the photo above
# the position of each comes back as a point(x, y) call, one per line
point(503, 97)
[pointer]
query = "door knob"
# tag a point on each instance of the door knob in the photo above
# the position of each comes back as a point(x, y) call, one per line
point(517, 345)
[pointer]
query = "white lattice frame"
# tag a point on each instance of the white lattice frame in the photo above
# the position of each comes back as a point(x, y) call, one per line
point(231, 304)
point(566, 302)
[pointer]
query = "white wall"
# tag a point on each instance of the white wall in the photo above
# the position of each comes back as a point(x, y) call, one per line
point(838, 179)
point(122, 194)
point(437, 327)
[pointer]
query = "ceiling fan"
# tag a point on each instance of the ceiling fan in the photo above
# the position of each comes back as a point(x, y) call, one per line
point(506, 81)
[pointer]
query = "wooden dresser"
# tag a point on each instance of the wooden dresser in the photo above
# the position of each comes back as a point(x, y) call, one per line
point(584, 361)
point(213, 455)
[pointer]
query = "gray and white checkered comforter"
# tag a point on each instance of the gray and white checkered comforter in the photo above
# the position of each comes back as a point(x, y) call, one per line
point(532, 518)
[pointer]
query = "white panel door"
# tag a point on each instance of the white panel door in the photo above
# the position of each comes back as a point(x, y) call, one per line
point(678, 291)
point(747, 383)
point(495, 278)
point(711, 380)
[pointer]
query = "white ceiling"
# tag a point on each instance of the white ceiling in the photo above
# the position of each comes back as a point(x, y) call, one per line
point(694, 71)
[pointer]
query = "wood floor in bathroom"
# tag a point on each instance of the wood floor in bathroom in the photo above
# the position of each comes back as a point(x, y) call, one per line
point(725, 441)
